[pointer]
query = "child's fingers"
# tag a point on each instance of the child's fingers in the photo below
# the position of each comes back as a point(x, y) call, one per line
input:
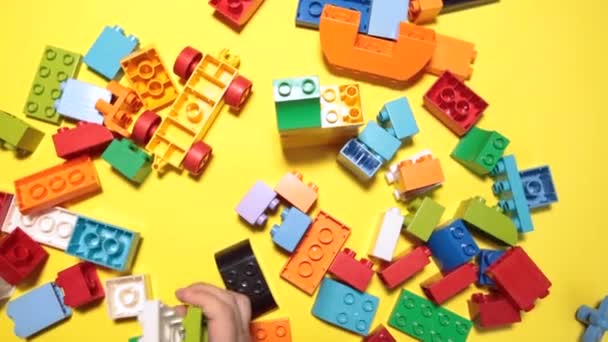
point(244, 308)
point(181, 310)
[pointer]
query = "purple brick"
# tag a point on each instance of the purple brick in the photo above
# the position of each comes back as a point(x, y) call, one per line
point(256, 202)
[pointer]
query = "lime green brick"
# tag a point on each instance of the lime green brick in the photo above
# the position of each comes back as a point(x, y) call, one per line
point(491, 221)
point(194, 326)
point(424, 216)
point(298, 102)
point(480, 150)
point(17, 134)
point(56, 66)
point(128, 159)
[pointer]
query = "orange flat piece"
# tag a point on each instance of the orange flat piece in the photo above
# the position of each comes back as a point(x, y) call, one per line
point(293, 190)
point(424, 11)
point(56, 185)
point(315, 253)
point(117, 116)
point(276, 330)
point(453, 55)
point(345, 48)
point(426, 171)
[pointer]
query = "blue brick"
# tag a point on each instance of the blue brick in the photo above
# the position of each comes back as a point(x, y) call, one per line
point(309, 11)
point(596, 320)
point(37, 309)
point(109, 49)
point(485, 258)
point(78, 101)
point(509, 188)
point(452, 245)
point(396, 117)
point(359, 160)
point(345, 307)
point(379, 140)
point(538, 187)
point(386, 16)
point(103, 244)
point(293, 226)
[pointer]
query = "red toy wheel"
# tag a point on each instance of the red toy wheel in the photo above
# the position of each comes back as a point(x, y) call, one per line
point(186, 62)
point(144, 127)
point(238, 92)
point(197, 157)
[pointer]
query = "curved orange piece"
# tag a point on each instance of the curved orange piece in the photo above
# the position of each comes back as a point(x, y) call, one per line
point(345, 48)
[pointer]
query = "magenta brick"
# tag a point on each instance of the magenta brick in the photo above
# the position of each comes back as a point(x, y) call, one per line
point(256, 203)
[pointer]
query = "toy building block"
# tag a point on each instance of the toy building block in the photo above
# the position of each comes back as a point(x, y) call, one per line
point(315, 253)
point(425, 321)
point(6, 289)
point(78, 101)
point(480, 150)
point(80, 284)
point(453, 55)
point(424, 11)
point(193, 325)
point(295, 192)
point(309, 12)
point(492, 310)
point(259, 200)
point(160, 323)
point(129, 160)
point(109, 49)
point(385, 18)
point(457, 5)
point(397, 118)
point(359, 160)
point(491, 221)
point(455, 104)
point(297, 102)
point(423, 217)
point(18, 135)
point(288, 234)
point(452, 245)
point(596, 321)
point(341, 114)
point(238, 12)
point(405, 266)
point(241, 273)
point(443, 286)
point(485, 258)
point(356, 274)
point(65, 182)
point(134, 339)
point(396, 61)
point(380, 334)
point(118, 111)
point(379, 140)
point(126, 296)
point(509, 188)
point(519, 278)
point(388, 235)
point(6, 202)
point(415, 176)
point(276, 330)
point(149, 78)
point(84, 139)
point(344, 307)
point(37, 310)
point(56, 66)
point(103, 244)
point(20, 257)
point(538, 186)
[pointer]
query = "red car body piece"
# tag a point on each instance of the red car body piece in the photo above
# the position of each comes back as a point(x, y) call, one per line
point(442, 287)
point(346, 268)
point(405, 266)
point(20, 256)
point(86, 138)
point(80, 284)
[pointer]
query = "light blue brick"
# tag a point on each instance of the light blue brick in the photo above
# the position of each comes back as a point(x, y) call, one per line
point(359, 160)
point(596, 321)
point(37, 309)
point(309, 11)
point(78, 101)
point(293, 226)
point(538, 187)
point(379, 140)
point(396, 117)
point(386, 16)
point(109, 49)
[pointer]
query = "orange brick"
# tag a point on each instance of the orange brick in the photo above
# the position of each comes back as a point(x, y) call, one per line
point(424, 11)
point(277, 330)
point(452, 55)
point(315, 253)
point(117, 116)
point(293, 190)
point(426, 171)
point(56, 185)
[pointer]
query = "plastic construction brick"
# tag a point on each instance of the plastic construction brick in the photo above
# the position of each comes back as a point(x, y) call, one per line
point(492, 310)
point(241, 273)
point(485, 258)
point(129, 160)
point(37, 310)
point(341, 113)
point(538, 187)
point(193, 325)
point(56, 66)
point(457, 5)
point(518, 277)
point(443, 286)
point(453, 103)
point(596, 321)
point(80, 284)
point(78, 101)
point(134, 339)
point(160, 323)
point(288, 234)
point(380, 334)
point(359, 160)
point(415, 176)
point(237, 12)
point(386, 17)
point(388, 235)
point(65, 182)
point(276, 330)
point(476, 214)
point(397, 118)
point(356, 274)
point(423, 217)
point(109, 49)
point(18, 135)
point(405, 266)
point(424, 11)
point(453, 55)
point(103, 244)
point(126, 296)
point(315, 253)
point(425, 321)
point(20, 257)
point(480, 150)
point(84, 139)
point(6, 289)
point(309, 12)
point(149, 78)
point(292, 189)
point(117, 113)
point(259, 200)
point(452, 245)
point(297, 101)
point(344, 307)
point(6, 202)
point(379, 140)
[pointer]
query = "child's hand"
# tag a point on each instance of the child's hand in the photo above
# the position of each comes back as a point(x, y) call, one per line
point(228, 313)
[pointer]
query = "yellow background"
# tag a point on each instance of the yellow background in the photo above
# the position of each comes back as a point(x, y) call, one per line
point(540, 66)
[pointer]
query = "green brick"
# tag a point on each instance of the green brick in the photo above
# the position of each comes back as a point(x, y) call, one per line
point(424, 216)
point(491, 221)
point(425, 321)
point(17, 134)
point(193, 324)
point(298, 102)
point(128, 159)
point(134, 339)
point(56, 66)
point(480, 150)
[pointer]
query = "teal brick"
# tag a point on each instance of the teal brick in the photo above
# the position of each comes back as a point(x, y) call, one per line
point(480, 150)
point(17, 134)
point(298, 102)
point(129, 160)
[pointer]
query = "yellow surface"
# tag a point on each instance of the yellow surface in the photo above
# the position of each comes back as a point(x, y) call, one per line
point(540, 66)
